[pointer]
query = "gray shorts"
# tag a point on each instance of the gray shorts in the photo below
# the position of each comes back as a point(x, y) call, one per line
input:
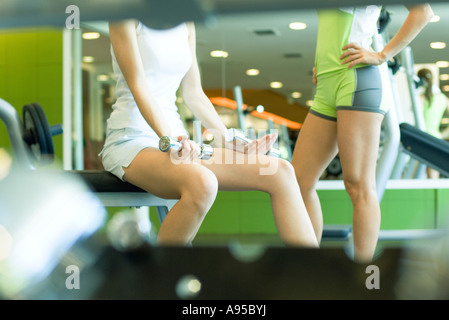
point(122, 146)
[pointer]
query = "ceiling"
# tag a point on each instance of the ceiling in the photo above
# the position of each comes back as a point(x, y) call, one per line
point(267, 53)
point(287, 55)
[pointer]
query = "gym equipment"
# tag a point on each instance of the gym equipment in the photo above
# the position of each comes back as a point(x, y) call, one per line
point(15, 129)
point(38, 134)
point(104, 184)
point(107, 187)
point(233, 135)
point(417, 149)
point(334, 167)
point(425, 148)
point(31, 140)
point(166, 143)
point(389, 145)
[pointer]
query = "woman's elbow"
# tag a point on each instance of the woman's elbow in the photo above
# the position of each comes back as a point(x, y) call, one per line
point(424, 11)
point(192, 95)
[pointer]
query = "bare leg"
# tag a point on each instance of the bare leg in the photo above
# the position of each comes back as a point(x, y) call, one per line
point(194, 185)
point(432, 173)
point(290, 215)
point(315, 147)
point(358, 142)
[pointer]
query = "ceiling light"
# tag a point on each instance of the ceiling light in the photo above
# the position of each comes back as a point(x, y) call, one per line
point(91, 35)
point(435, 18)
point(219, 54)
point(252, 72)
point(102, 77)
point(297, 26)
point(446, 88)
point(442, 64)
point(296, 95)
point(88, 59)
point(276, 84)
point(309, 103)
point(260, 108)
point(438, 45)
point(444, 77)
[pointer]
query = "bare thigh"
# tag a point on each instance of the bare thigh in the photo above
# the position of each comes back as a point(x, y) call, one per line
point(315, 147)
point(240, 172)
point(358, 142)
point(154, 172)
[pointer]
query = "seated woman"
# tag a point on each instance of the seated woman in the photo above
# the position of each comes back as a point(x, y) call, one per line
point(150, 66)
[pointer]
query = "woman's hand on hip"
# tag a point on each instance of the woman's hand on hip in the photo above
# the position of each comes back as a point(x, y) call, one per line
point(354, 55)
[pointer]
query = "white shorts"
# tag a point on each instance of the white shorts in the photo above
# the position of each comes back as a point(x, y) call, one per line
point(122, 146)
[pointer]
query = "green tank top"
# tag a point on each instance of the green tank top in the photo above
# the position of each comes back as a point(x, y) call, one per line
point(433, 112)
point(337, 28)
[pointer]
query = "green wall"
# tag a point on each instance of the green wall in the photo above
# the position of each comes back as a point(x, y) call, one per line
point(250, 212)
point(31, 71)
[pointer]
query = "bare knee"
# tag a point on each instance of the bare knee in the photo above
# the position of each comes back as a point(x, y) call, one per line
point(359, 189)
point(284, 175)
point(285, 170)
point(201, 190)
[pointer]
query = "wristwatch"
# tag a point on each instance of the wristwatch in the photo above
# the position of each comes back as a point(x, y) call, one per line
point(166, 143)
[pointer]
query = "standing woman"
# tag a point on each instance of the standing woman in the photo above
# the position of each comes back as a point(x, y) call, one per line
point(434, 104)
point(346, 114)
point(150, 65)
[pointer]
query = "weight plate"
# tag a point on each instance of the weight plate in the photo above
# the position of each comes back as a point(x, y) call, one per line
point(49, 151)
point(34, 130)
point(334, 167)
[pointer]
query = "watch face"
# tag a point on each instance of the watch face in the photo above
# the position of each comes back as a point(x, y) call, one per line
point(164, 143)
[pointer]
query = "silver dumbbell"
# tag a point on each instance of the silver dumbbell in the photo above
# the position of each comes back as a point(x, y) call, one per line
point(234, 134)
point(166, 143)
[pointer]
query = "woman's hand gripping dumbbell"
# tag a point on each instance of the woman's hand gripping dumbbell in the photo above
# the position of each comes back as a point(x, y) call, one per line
point(166, 143)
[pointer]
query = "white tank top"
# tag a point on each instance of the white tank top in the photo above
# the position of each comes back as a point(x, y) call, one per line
point(166, 58)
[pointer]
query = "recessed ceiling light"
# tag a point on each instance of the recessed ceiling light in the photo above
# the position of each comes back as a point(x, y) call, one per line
point(91, 35)
point(297, 26)
point(88, 59)
point(309, 103)
point(435, 18)
point(276, 84)
point(444, 77)
point(102, 77)
point(260, 108)
point(296, 95)
point(442, 64)
point(438, 45)
point(446, 88)
point(252, 72)
point(219, 54)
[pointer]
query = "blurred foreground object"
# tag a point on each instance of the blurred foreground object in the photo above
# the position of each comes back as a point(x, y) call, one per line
point(43, 214)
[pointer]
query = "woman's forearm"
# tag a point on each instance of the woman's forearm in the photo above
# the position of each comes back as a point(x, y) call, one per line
point(417, 18)
point(205, 112)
